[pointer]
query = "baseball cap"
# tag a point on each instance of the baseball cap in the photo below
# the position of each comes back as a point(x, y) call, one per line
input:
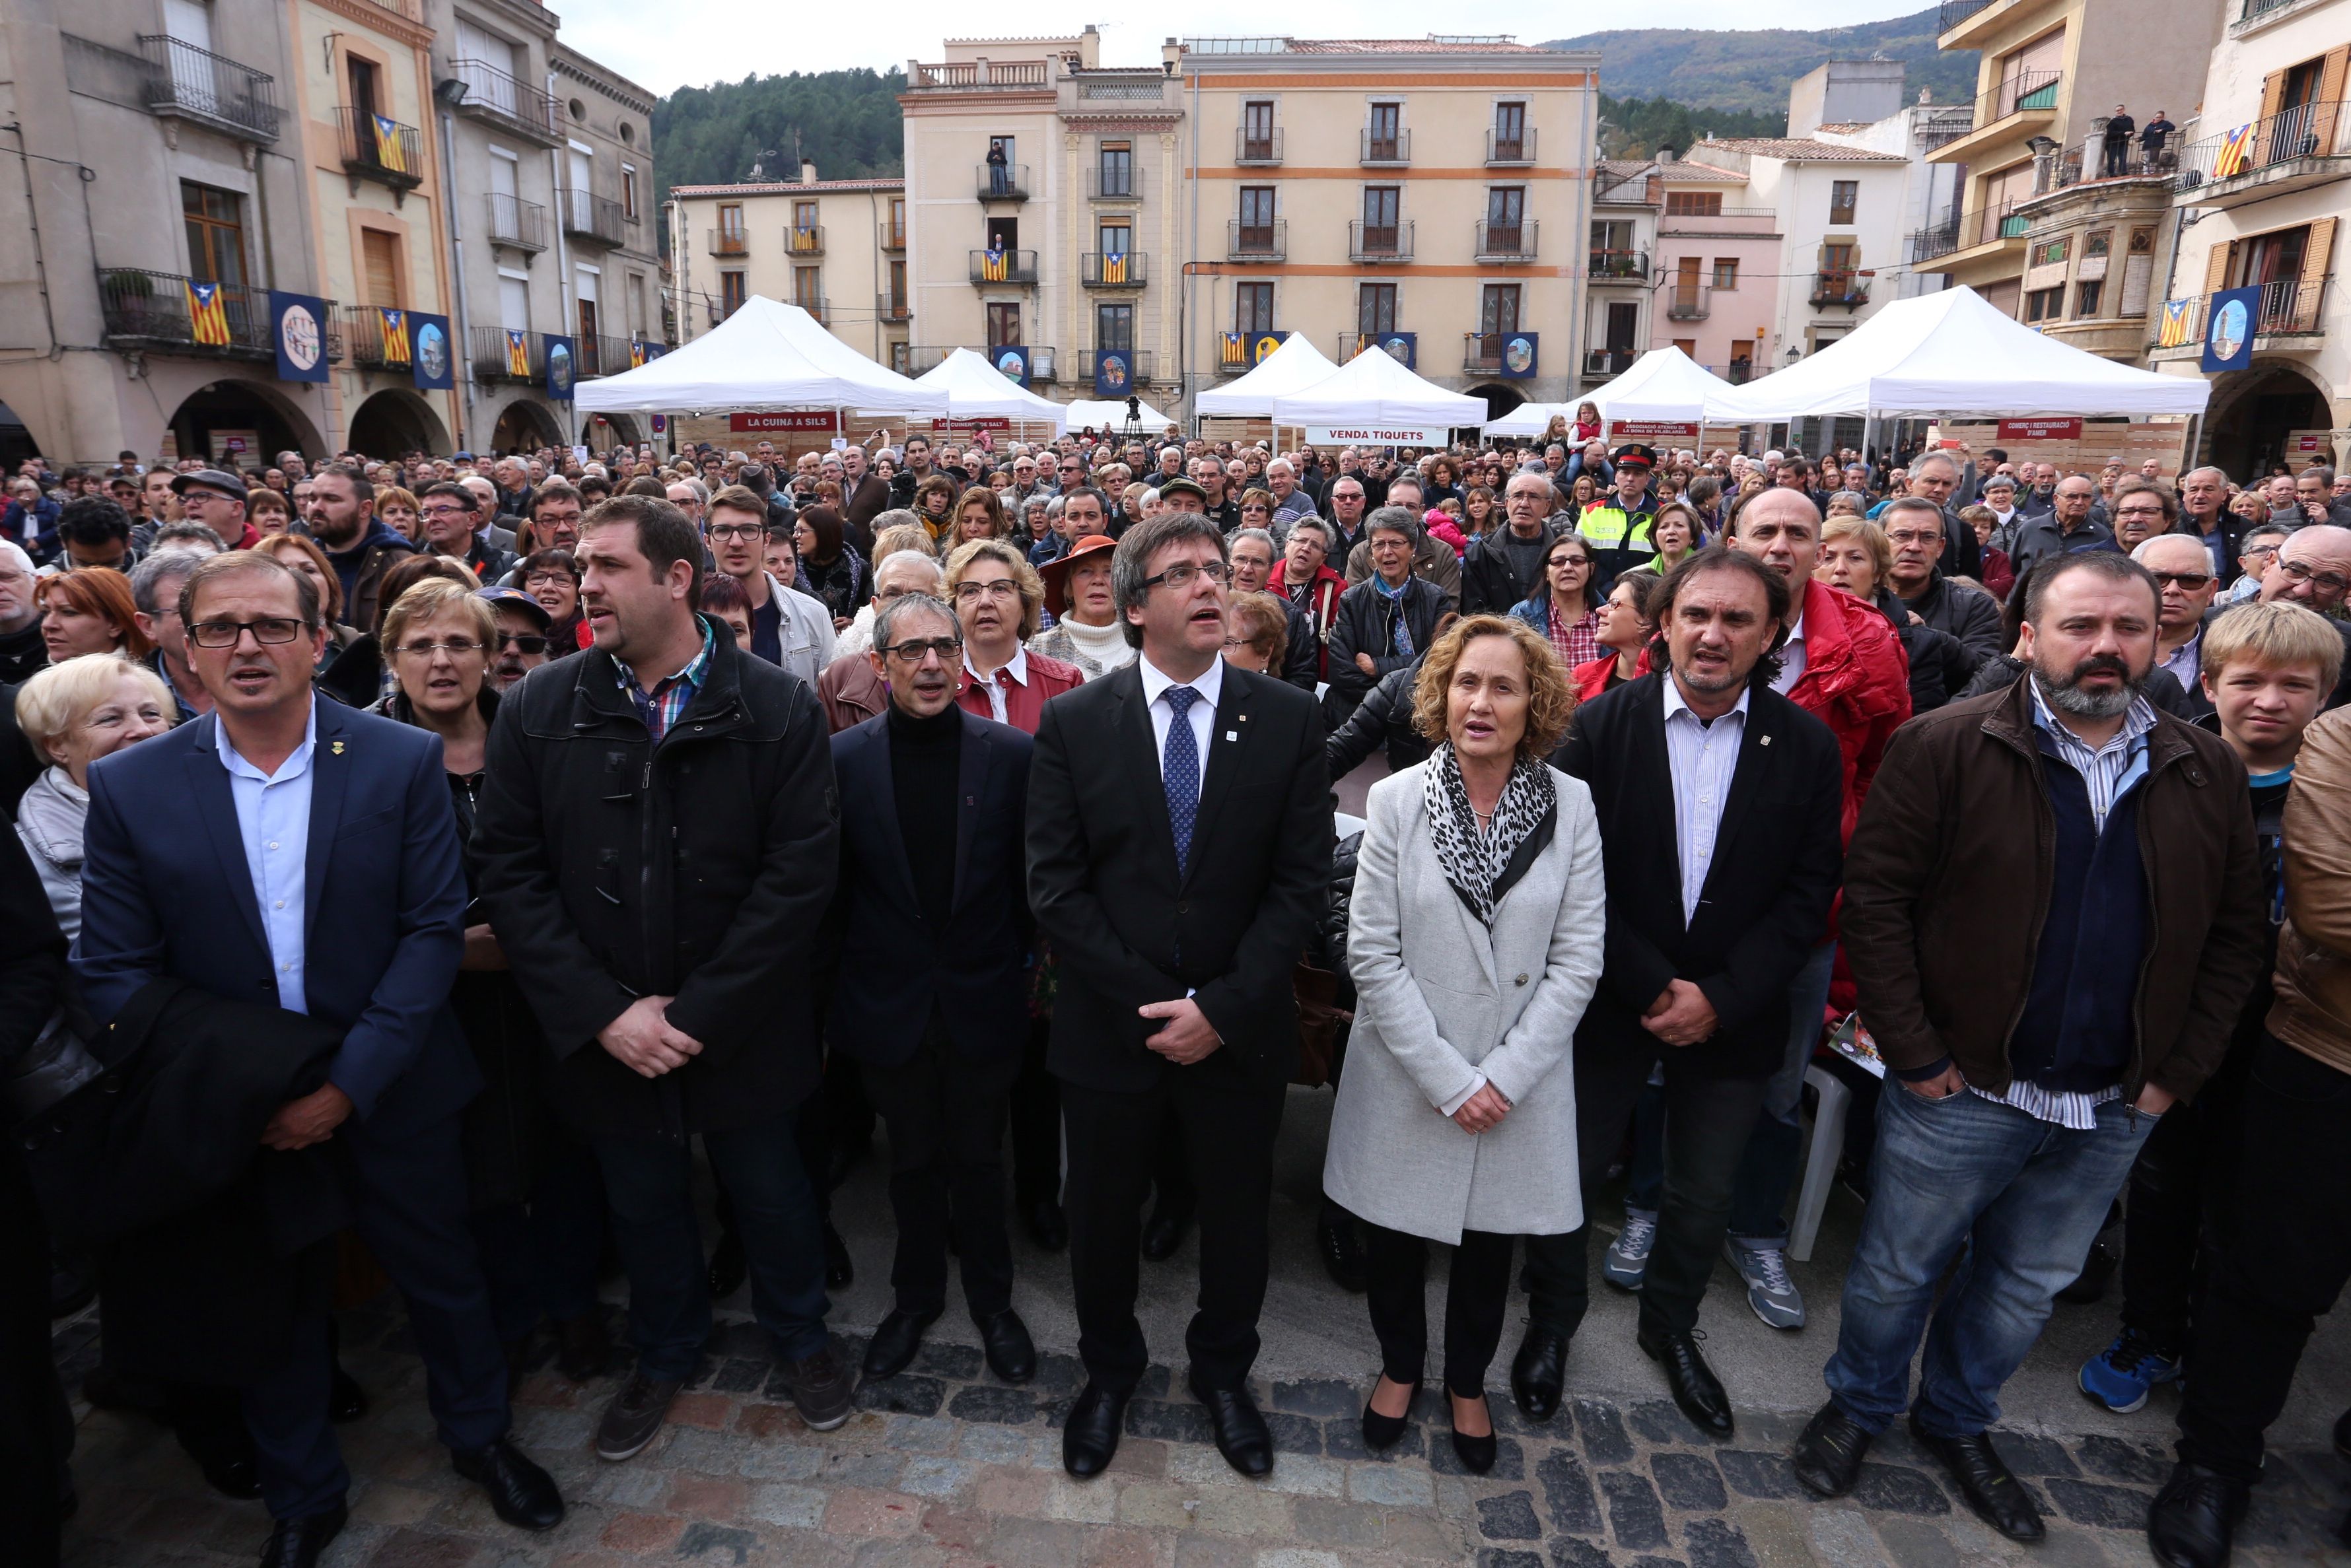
point(521, 601)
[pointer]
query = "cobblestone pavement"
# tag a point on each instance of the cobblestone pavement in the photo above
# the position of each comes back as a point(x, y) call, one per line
point(944, 1465)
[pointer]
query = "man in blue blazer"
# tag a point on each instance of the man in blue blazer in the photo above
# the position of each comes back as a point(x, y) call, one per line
point(930, 995)
point(213, 855)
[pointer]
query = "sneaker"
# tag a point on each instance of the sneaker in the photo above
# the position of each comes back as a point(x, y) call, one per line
point(1628, 1254)
point(2123, 1375)
point(821, 1389)
point(634, 1417)
point(1769, 1292)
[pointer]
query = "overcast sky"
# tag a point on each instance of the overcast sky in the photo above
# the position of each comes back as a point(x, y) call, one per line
point(681, 42)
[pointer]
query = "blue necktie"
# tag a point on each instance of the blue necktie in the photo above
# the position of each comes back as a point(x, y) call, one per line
point(1179, 773)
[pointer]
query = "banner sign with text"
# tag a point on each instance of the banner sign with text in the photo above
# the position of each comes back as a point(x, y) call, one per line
point(1653, 429)
point(2041, 429)
point(1377, 435)
point(820, 424)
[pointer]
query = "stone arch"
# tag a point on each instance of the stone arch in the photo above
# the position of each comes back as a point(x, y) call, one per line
point(1501, 398)
point(235, 403)
point(395, 421)
point(2252, 409)
point(524, 424)
point(602, 430)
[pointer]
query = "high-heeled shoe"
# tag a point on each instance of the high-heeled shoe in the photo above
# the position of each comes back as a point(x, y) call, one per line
point(1386, 1431)
point(1477, 1454)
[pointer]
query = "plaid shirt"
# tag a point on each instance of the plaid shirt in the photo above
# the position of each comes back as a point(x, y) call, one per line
point(669, 698)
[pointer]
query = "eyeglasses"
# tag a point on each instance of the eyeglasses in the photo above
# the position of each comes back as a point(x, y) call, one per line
point(724, 530)
point(2325, 582)
point(2139, 512)
point(521, 641)
point(224, 633)
point(457, 647)
point(548, 579)
point(1002, 588)
point(446, 511)
point(911, 650)
point(2194, 582)
point(1180, 577)
point(2262, 551)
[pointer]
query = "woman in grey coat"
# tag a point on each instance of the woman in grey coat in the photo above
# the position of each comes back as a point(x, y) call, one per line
point(1475, 942)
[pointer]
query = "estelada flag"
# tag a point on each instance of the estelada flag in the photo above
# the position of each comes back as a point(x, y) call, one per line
point(1113, 268)
point(2176, 330)
point(636, 356)
point(388, 152)
point(518, 353)
point(2236, 151)
point(395, 335)
point(207, 313)
point(994, 265)
point(1233, 349)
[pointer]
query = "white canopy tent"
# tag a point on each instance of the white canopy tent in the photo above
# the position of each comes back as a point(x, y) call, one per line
point(1955, 353)
point(1293, 367)
point(1094, 413)
point(975, 389)
point(767, 356)
point(1375, 401)
point(1665, 386)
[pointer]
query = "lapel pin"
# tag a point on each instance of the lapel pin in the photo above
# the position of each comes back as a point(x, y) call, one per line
point(1232, 735)
point(1762, 740)
point(336, 748)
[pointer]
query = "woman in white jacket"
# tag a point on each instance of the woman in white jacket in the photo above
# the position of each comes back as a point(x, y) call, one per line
point(74, 713)
point(1475, 942)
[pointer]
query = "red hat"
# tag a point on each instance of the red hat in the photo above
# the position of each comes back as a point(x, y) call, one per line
point(1056, 572)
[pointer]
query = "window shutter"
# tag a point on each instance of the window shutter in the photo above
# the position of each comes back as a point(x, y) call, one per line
point(2216, 268)
point(2330, 94)
point(2273, 93)
point(381, 258)
point(2317, 252)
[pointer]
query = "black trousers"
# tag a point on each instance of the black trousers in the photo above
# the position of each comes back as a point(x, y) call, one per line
point(1036, 1124)
point(1228, 1124)
point(2284, 1259)
point(2179, 1206)
point(945, 1114)
point(1707, 1122)
point(1477, 1294)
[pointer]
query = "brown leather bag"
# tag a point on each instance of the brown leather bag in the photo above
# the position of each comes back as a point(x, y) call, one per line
point(1320, 1022)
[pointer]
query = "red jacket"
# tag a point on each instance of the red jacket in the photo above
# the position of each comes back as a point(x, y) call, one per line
point(1321, 607)
point(1592, 676)
point(1024, 705)
point(1856, 681)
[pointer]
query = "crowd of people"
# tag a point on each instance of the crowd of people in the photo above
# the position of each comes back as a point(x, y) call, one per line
point(427, 860)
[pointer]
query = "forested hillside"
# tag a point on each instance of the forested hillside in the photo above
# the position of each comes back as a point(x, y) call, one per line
point(845, 121)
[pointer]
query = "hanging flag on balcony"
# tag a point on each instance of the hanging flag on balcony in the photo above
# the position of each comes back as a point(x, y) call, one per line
point(636, 355)
point(1234, 350)
point(2178, 328)
point(2229, 326)
point(1519, 358)
point(560, 368)
point(434, 364)
point(1113, 268)
point(804, 239)
point(518, 354)
point(298, 324)
point(207, 314)
point(2236, 151)
point(394, 335)
point(390, 151)
point(994, 264)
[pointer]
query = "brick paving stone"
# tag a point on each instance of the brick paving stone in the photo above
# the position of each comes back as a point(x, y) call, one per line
point(2105, 1507)
point(2112, 1459)
point(1718, 1543)
point(1396, 1486)
point(1003, 1407)
point(720, 1544)
point(1689, 1481)
point(905, 1395)
point(1308, 1476)
point(1178, 1423)
point(1295, 1434)
point(1569, 1552)
point(2031, 1454)
point(1509, 1517)
point(1661, 1421)
point(1344, 1440)
point(1499, 1557)
point(1914, 1543)
point(1633, 1512)
point(1568, 1496)
point(1325, 1399)
point(1330, 1522)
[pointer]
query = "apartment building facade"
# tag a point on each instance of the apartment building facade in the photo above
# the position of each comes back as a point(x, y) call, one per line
point(608, 229)
point(2259, 191)
point(837, 248)
point(1621, 304)
point(2036, 192)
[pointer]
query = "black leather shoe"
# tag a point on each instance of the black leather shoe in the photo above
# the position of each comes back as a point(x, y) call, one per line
point(1164, 1232)
point(1241, 1434)
point(233, 1475)
point(1539, 1372)
point(1828, 1457)
point(521, 1492)
point(346, 1400)
point(728, 1267)
point(1342, 1247)
point(1089, 1436)
point(839, 1271)
point(2194, 1517)
point(1048, 1226)
point(1987, 1483)
point(300, 1543)
point(895, 1339)
point(1382, 1432)
point(1011, 1354)
point(1477, 1454)
point(1695, 1387)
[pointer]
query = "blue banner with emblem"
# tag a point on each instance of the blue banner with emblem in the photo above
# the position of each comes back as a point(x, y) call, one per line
point(1012, 359)
point(561, 367)
point(1519, 358)
point(430, 360)
point(1114, 372)
point(2229, 321)
point(297, 328)
point(1404, 348)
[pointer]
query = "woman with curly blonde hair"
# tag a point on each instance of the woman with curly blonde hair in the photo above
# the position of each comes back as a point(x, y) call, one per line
point(1475, 942)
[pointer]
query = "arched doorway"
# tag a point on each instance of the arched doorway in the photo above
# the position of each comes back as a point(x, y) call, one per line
point(602, 430)
point(525, 425)
point(2252, 411)
point(1499, 397)
point(17, 442)
point(241, 423)
point(395, 422)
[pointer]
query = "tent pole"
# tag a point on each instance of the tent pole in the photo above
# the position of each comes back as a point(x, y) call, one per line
point(2195, 440)
point(1868, 428)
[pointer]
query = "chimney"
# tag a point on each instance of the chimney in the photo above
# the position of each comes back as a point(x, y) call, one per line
point(807, 170)
point(1665, 155)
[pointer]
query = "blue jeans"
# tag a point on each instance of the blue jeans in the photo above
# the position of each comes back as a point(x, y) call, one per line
point(2023, 1198)
point(649, 1182)
point(1759, 1198)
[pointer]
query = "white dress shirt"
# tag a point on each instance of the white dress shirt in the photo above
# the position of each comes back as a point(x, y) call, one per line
point(1792, 656)
point(273, 819)
point(1016, 668)
point(1202, 713)
point(1702, 757)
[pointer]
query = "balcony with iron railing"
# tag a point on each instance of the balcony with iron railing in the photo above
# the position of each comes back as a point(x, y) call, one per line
point(1481, 352)
point(1266, 242)
point(997, 267)
point(602, 355)
point(1983, 226)
point(1257, 151)
point(1738, 372)
point(1354, 343)
point(892, 236)
point(196, 84)
point(1385, 149)
point(2089, 164)
point(1138, 359)
point(1609, 361)
point(1954, 12)
point(588, 216)
point(1510, 150)
point(2007, 113)
point(373, 344)
point(923, 357)
point(1505, 244)
point(1003, 182)
point(804, 239)
point(1113, 185)
point(517, 223)
point(2289, 308)
point(1112, 269)
point(1839, 287)
point(1723, 223)
point(143, 309)
point(374, 147)
point(1620, 267)
point(1234, 350)
point(1044, 365)
point(893, 307)
point(729, 242)
point(2307, 145)
point(1374, 243)
point(508, 103)
point(496, 356)
point(1689, 301)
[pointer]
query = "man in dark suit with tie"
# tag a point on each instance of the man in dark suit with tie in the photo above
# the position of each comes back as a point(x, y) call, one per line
point(930, 995)
point(291, 850)
point(1745, 788)
point(1179, 848)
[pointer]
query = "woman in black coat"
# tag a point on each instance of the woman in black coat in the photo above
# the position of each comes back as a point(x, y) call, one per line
point(832, 568)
